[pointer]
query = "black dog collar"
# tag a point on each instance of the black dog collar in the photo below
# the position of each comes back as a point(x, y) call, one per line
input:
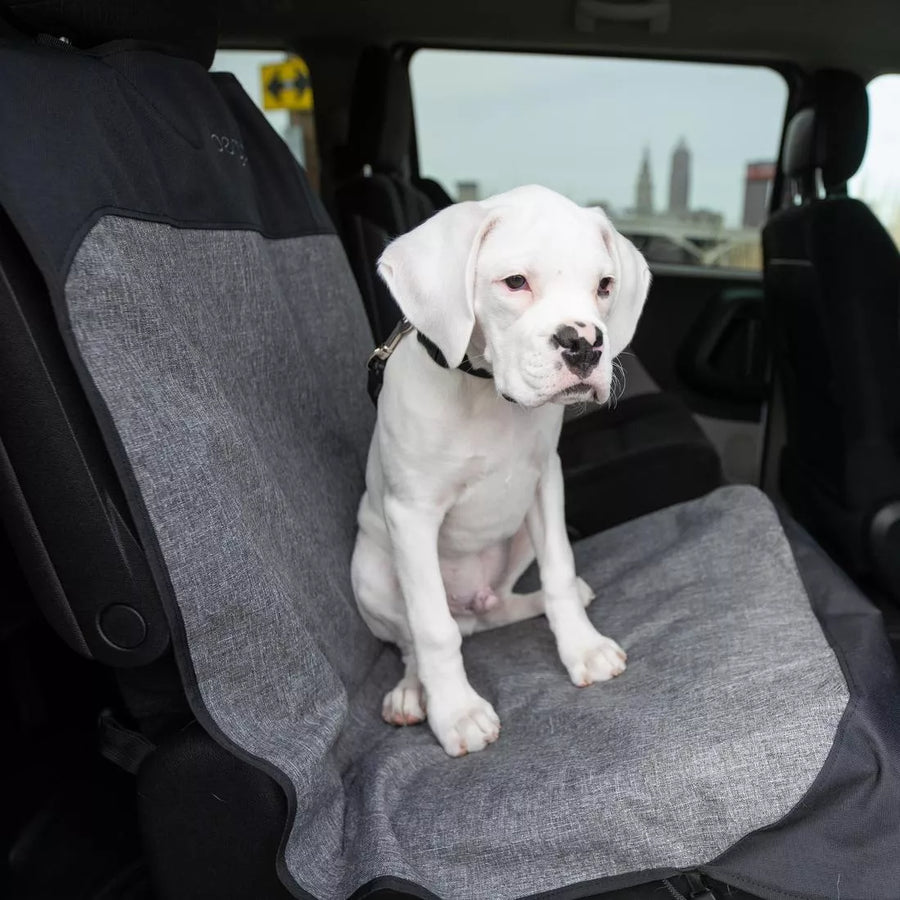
point(465, 366)
point(381, 354)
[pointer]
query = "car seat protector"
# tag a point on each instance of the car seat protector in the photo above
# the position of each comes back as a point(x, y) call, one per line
point(248, 444)
point(212, 319)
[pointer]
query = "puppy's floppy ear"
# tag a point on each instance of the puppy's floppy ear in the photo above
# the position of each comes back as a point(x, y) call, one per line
point(431, 273)
point(632, 283)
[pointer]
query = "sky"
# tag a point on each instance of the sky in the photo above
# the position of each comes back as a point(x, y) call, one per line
point(878, 180)
point(580, 124)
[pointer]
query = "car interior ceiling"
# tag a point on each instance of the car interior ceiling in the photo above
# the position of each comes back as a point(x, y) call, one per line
point(72, 817)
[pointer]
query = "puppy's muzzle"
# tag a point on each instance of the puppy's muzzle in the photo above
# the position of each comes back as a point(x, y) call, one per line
point(580, 346)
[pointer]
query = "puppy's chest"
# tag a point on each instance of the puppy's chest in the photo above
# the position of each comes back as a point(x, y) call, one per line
point(493, 492)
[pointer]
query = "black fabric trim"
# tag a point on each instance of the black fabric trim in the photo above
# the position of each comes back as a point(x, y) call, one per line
point(587, 889)
point(389, 887)
point(397, 888)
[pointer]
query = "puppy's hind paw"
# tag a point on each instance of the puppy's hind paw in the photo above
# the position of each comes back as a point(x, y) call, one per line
point(585, 592)
point(405, 704)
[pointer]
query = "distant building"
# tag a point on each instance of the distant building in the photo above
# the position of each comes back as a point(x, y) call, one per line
point(708, 217)
point(467, 190)
point(680, 180)
point(643, 203)
point(757, 184)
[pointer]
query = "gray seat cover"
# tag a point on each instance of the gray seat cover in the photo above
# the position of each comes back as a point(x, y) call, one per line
point(231, 368)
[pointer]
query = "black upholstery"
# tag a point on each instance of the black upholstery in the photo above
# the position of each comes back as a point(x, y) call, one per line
point(377, 200)
point(831, 135)
point(644, 453)
point(60, 499)
point(200, 805)
point(373, 209)
point(186, 29)
point(832, 278)
point(381, 114)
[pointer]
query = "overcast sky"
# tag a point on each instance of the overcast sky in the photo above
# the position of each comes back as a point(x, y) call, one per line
point(580, 124)
point(878, 180)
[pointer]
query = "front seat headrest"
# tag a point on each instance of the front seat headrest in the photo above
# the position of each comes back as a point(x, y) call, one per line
point(831, 134)
point(187, 28)
point(380, 112)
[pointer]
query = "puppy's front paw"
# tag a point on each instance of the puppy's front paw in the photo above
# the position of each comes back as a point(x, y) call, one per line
point(464, 727)
point(405, 704)
point(600, 659)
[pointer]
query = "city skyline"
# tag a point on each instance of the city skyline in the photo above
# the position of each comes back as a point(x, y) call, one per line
point(581, 125)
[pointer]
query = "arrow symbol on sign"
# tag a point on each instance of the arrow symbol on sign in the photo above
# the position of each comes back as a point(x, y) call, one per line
point(275, 86)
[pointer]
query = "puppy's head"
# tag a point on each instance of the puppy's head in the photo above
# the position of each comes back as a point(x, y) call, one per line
point(542, 291)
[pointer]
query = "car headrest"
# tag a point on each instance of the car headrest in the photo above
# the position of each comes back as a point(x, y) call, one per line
point(380, 112)
point(187, 28)
point(831, 134)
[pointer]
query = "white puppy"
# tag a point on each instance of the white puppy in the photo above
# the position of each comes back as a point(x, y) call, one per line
point(463, 485)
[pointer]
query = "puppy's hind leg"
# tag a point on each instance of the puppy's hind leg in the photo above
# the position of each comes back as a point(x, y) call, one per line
point(513, 607)
point(381, 605)
point(521, 556)
point(405, 704)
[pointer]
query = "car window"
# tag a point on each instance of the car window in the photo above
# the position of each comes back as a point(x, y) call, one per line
point(878, 179)
point(279, 84)
point(681, 155)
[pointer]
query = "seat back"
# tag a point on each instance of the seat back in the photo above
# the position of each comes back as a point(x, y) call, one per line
point(61, 503)
point(182, 196)
point(378, 200)
point(832, 280)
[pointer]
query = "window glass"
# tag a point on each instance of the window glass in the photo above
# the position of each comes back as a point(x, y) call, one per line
point(296, 126)
point(878, 179)
point(681, 155)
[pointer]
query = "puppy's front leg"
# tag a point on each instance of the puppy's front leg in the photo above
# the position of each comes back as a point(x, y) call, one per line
point(461, 720)
point(587, 655)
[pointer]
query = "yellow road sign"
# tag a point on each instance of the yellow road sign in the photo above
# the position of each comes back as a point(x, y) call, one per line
point(286, 85)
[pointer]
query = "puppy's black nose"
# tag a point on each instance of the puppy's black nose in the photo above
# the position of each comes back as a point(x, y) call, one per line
point(580, 347)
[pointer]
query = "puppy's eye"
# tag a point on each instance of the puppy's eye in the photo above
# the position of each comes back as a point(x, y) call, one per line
point(516, 282)
point(604, 287)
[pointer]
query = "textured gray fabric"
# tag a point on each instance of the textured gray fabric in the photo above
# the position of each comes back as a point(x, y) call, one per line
point(241, 408)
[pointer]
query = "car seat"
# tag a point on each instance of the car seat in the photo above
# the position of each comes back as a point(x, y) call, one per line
point(832, 282)
point(189, 297)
